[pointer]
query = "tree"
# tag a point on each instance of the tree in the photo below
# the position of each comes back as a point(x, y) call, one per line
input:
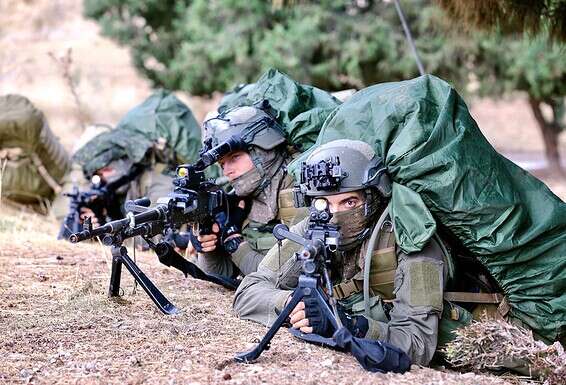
point(509, 58)
point(202, 46)
point(510, 16)
point(506, 64)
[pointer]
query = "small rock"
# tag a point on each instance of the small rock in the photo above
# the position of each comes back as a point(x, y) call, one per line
point(41, 277)
point(134, 361)
point(59, 258)
point(327, 363)
point(227, 376)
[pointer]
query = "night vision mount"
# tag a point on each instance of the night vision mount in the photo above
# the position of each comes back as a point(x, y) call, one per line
point(325, 175)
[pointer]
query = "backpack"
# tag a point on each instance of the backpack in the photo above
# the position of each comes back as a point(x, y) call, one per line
point(300, 109)
point(162, 129)
point(32, 160)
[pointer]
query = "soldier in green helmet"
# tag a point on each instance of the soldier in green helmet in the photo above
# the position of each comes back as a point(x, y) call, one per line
point(256, 169)
point(135, 159)
point(405, 299)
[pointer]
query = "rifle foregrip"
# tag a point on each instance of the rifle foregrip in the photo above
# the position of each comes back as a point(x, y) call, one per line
point(280, 231)
point(205, 227)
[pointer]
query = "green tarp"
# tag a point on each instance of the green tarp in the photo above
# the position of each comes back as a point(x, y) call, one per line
point(162, 123)
point(301, 109)
point(444, 170)
point(32, 160)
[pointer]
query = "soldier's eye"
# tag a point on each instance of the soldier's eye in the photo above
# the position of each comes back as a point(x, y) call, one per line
point(351, 203)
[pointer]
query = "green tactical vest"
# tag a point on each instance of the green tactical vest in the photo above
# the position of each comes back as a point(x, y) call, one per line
point(380, 272)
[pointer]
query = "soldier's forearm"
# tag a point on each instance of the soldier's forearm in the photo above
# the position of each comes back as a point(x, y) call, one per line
point(216, 263)
point(246, 258)
point(416, 335)
point(257, 299)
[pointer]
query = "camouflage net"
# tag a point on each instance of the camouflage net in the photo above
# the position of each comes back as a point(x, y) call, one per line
point(494, 344)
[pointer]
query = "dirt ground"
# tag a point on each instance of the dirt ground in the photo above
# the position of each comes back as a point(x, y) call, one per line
point(58, 326)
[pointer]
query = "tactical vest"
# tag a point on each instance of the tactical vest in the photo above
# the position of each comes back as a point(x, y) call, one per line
point(379, 272)
point(259, 236)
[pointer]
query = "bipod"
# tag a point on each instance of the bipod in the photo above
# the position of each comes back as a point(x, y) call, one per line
point(120, 256)
point(309, 285)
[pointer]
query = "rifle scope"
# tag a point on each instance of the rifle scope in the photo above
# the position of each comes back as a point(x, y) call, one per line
point(234, 143)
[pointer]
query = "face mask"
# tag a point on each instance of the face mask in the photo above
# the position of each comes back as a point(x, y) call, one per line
point(353, 226)
point(247, 183)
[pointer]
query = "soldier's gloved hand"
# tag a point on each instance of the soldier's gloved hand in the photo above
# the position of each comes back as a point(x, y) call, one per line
point(208, 242)
point(308, 317)
point(358, 325)
point(237, 213)
point(195, 243)
point(231, 235)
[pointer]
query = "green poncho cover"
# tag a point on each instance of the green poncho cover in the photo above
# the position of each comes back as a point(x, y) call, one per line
point(160, 118)
point(301, 109)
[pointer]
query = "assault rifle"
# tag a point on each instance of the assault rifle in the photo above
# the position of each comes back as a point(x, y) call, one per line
point(319, 244)
point(100, 198)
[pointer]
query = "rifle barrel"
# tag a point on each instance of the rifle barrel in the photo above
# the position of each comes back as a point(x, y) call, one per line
point(154, 214)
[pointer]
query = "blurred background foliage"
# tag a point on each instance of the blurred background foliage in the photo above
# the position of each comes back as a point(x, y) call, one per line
point(490, 47)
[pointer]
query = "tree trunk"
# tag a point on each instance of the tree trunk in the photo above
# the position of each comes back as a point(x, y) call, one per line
point(549, 133)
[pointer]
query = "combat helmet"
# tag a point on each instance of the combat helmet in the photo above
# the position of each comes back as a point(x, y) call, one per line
point(252, 129)
point(342, 166)
point(245, 127)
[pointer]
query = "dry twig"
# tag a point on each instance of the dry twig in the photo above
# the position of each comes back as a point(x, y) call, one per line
point(65, 63)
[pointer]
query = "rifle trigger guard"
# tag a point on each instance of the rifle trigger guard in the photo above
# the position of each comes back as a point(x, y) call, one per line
point(132, 218)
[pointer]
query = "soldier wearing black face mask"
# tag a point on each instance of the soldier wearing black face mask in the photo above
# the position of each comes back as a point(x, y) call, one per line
point(405, 302)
